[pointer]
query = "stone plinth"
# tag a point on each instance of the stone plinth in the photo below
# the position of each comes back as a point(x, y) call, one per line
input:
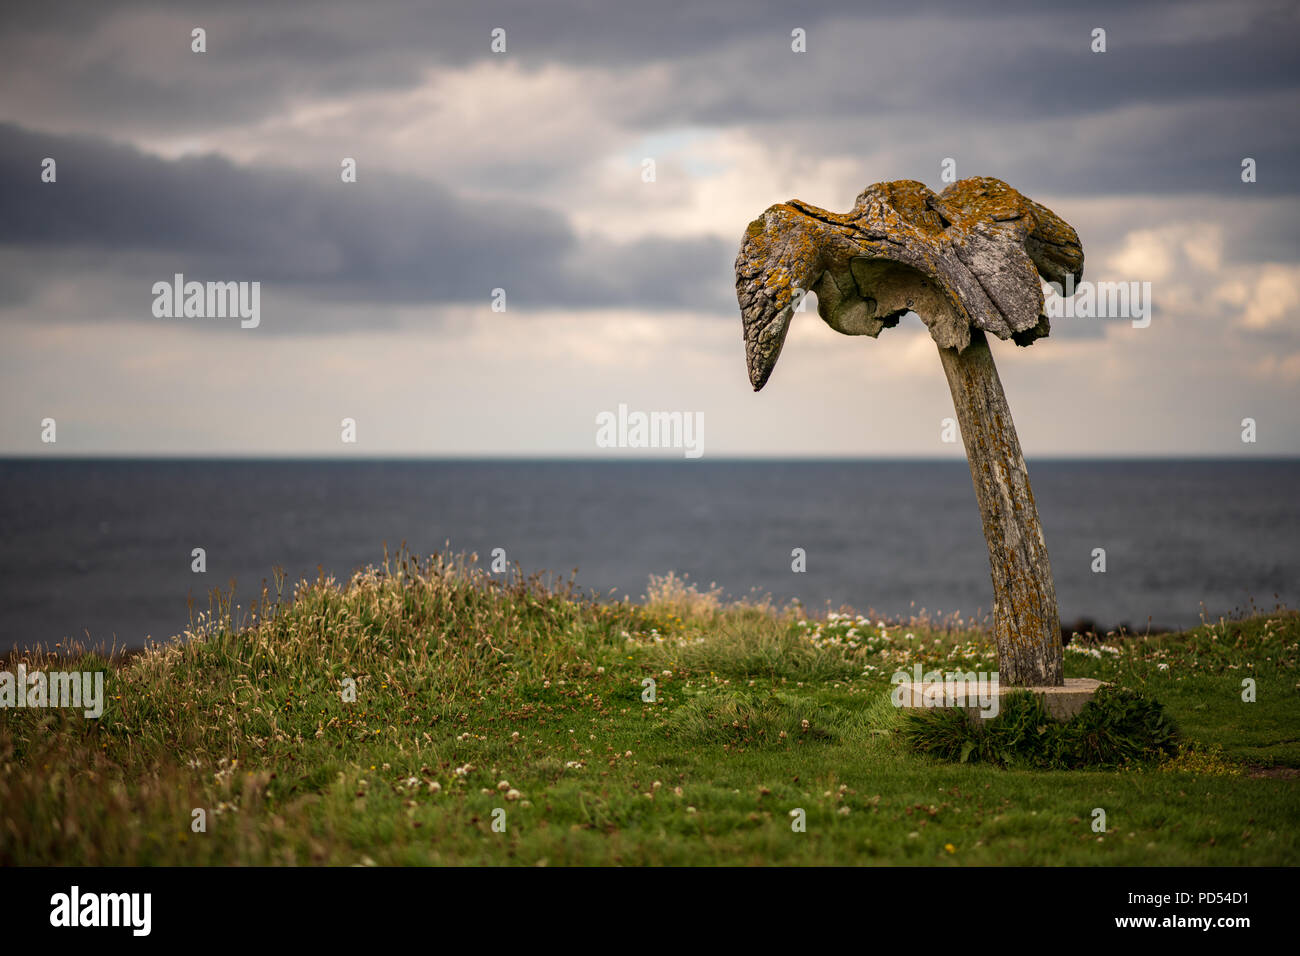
point(985, 699)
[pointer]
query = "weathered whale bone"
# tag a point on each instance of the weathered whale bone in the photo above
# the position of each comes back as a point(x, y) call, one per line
point(970, 262)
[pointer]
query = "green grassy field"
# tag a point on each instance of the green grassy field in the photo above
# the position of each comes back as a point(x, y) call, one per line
point(480, 702)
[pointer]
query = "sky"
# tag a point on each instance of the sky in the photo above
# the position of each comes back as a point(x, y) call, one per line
point(526, 170)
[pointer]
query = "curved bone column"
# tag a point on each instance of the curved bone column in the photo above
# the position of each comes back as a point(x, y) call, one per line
point(970, 262)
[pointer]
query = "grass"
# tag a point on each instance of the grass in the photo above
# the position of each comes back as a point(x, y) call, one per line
point(476, 695)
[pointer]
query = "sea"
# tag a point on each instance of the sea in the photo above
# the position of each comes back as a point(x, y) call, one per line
point(102, 551)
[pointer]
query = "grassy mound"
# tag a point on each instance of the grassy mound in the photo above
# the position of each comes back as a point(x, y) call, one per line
point(428, 712)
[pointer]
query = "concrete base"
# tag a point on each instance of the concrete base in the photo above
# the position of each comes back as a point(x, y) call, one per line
point(1061, 702)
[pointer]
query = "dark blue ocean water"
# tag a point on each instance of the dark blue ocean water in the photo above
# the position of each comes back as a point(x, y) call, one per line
point(104, 546)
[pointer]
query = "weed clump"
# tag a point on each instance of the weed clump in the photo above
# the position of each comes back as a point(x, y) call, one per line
point(1116, 728)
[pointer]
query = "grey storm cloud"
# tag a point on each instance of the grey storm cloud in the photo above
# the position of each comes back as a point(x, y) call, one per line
point(1007, 59)
point(1012, 97)
point(872, 74)
point(381, 239)
point(1008, 88)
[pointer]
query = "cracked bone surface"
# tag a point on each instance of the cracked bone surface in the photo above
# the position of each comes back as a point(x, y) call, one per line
point(969, 261)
